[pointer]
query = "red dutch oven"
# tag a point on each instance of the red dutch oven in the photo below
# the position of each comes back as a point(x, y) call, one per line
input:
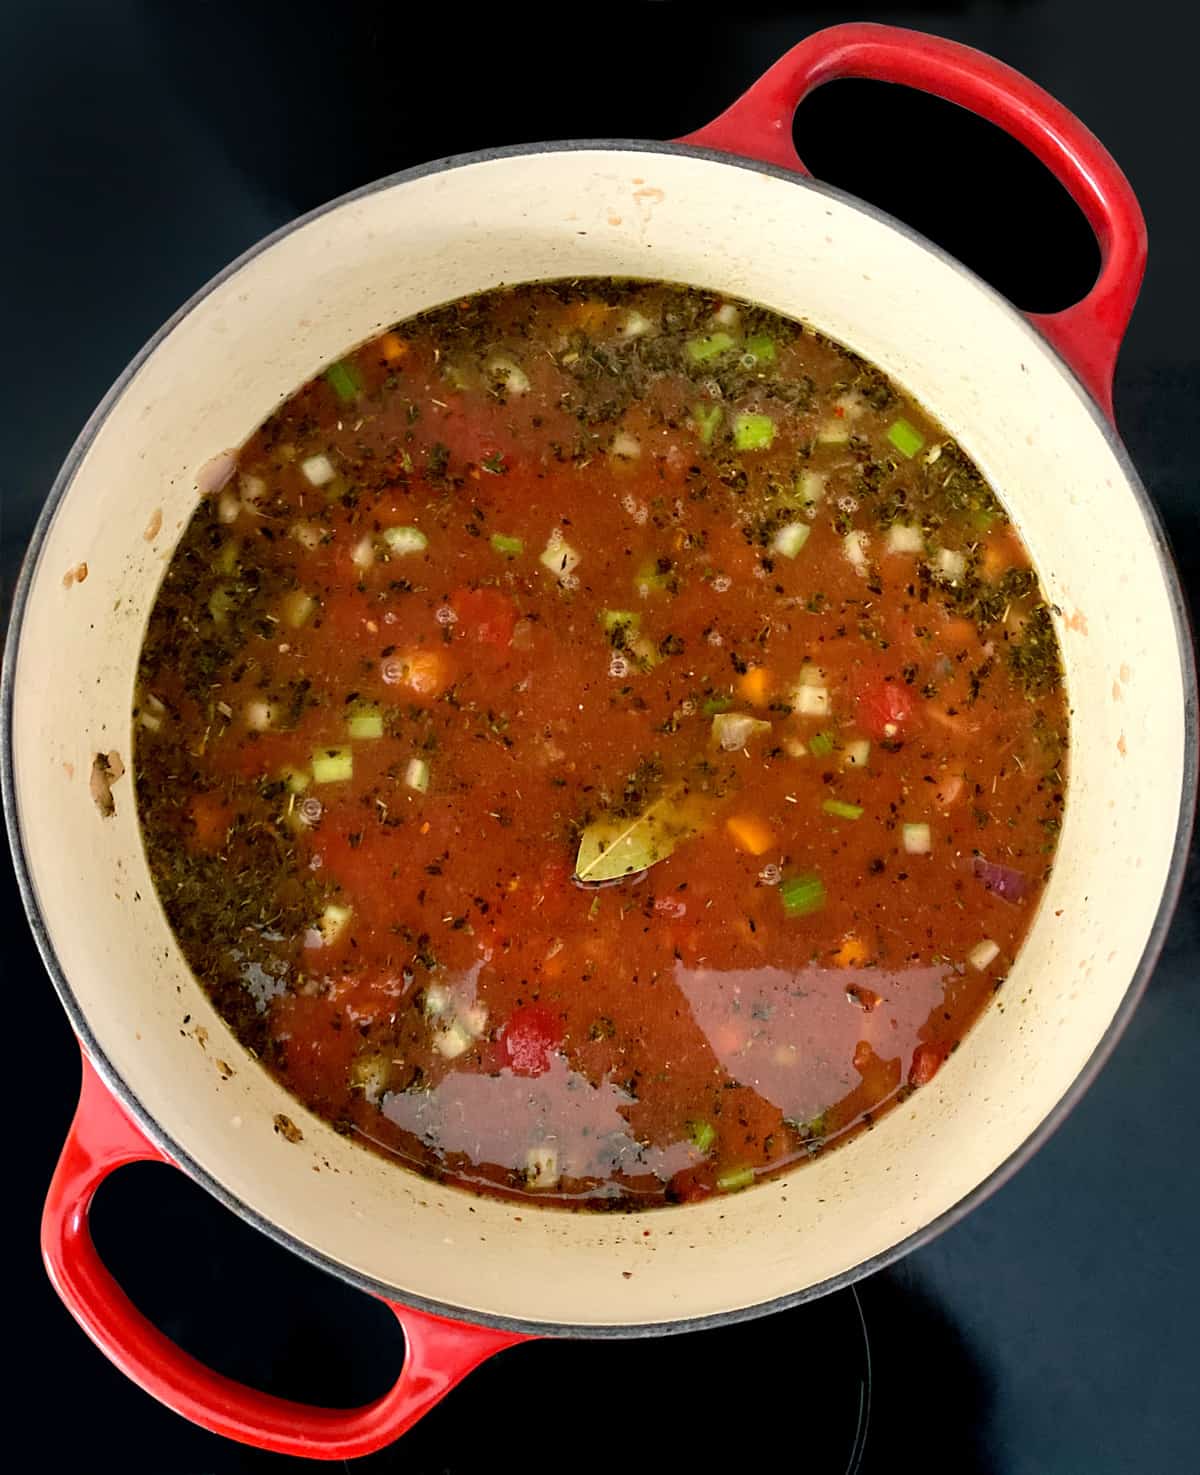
point(1029, 398)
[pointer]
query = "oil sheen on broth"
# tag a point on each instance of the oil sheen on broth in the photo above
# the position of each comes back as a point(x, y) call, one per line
point(603, 745)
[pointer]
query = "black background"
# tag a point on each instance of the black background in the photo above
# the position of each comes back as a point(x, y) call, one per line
point(144, 145)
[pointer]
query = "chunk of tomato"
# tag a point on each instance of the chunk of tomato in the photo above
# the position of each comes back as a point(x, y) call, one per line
point(885, 708)
point(529, 1039)
point(925, 1064)
point(486, 615)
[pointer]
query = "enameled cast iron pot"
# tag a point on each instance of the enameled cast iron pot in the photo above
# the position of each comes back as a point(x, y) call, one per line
point(730, 208)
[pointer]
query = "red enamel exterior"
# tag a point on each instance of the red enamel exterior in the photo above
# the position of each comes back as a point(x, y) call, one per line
point(1088, 335)
point(440, 1352)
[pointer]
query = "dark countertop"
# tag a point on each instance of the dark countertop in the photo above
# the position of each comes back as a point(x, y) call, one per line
point(145, 145)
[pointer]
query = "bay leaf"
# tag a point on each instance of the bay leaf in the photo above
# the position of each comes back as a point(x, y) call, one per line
point(613, 847)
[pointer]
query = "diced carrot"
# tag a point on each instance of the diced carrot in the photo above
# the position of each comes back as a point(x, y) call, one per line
point(426, 673)
point(957, 633)
point(994, 561)
point(851, 953)
point(749, 833)
point(392, 347)
point(949, 790)
point(211, 817)
point(925, 1062)
point(588, 315)
point(756, 686)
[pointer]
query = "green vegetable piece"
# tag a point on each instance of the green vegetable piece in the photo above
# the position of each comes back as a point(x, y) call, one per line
point(332, 765)
point(802, 895)
point(295, 778)
point(220, 602)
point(707, 418)
point(343, 379)
point(761, 348)
point(753, 432)
point(614, 847)
point(704, 350)
point(717, 703)
point(365, 722)
point(907, 439)
point(820, 745)
point(734, 1178)
point(509, 547)
point(650, 579)
point(702, 1133)
point(841, 810)
point(614, 619)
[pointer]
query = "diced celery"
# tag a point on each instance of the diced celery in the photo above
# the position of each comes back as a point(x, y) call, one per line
point(907, 439)
point(704, 350)
point(614, 619)
point(507, 545)
point(343, 379)
point(753, 432)
point(735, 1178)
point(365, 722)
point(802, 895)
point(857, 753)
point(295, 778)
point(820, 745)
point(332, 765)
point(707, 418)
point(702, 1133)
point(841, 810)
point(761, 348)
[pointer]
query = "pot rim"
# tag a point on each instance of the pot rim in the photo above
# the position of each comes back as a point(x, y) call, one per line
point(928, 1232)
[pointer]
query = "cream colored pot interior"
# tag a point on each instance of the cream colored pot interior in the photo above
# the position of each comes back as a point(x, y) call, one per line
point(339, 278)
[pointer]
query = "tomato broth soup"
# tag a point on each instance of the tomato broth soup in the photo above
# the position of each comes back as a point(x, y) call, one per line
point(602, 744)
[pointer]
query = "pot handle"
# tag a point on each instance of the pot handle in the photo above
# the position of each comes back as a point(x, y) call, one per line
point(759, 126)
point(439, 1352)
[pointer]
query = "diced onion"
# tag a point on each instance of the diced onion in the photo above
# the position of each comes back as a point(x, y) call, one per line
point(151, 721)
point(297, 607)
point(811, 701)
point(416, 775)
point(253, 488)
point(362, 555)
point(950, 565)
point(318, 469)
point(857, 754)
point(508, 373)
point(854, 546)
point(474, 1019)
point(258, 715)
point(733, 730)
point(918, 839)
point(228, 505)
point(369, 1074)
point(437, 999)
point(452, 1041)
point(904, 538)
point(726, 315)
point(332, 922)
point(541, 1167)
point(983, 954)
point(634, 324)
point(558, 556)
point(625, 446)
point(790, 538)
point(404, 540)
point(307, 534)
point(833, 432)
